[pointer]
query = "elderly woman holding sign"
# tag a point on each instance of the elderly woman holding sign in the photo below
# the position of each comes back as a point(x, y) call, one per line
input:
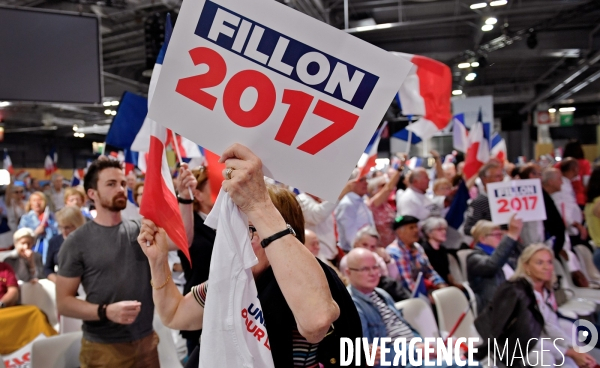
point(306, 307)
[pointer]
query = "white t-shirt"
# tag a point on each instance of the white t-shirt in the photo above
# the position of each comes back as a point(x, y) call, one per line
point(232, 336)
point(419, 205)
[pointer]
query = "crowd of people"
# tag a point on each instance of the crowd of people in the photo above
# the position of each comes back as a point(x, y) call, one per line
point(347, 263)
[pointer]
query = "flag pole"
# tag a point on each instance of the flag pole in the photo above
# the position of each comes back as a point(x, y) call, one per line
point(178, 152)
point(409, 136)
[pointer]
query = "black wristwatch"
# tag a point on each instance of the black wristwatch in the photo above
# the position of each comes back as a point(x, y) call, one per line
point(265, 242)
point(185, 201)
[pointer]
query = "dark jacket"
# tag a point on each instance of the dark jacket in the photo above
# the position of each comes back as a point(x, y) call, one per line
point(513, 315)
point(479, 209)
point(554, 224)
point(52, 255)
point(280, 321)
point(485, 271)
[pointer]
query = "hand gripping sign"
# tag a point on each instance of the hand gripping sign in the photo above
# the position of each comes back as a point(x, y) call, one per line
point(523, 197)
point(303, 96)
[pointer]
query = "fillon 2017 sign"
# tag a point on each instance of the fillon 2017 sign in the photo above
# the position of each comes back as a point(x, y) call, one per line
point(523, 197)
point(304, 96)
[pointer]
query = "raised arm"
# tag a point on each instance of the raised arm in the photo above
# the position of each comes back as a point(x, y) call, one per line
point(299, 275)
point(187, 184)
point(380, 197)
point(176, 311)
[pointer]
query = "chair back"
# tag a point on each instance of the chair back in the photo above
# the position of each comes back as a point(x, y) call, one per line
point(60, 351)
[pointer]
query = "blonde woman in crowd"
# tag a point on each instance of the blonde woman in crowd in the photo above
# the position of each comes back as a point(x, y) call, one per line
point(69, 219)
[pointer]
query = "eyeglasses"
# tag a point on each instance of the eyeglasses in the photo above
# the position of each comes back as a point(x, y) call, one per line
point(251, 231)
point(18, 192)
point(375, 269)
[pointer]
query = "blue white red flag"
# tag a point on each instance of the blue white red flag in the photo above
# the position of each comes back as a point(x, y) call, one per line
point(460, 134)
point(367, 160)
point(478, 152)
point(426, 93)
point(77, 179)
point(498, 149)
point(50, 162)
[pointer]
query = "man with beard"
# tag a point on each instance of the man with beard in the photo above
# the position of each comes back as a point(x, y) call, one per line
point(104, 256)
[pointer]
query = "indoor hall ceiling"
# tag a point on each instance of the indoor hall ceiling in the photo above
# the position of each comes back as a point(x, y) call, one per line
point(539, 51)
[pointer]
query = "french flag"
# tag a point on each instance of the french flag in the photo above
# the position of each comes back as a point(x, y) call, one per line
point(460, 134)
point(7, 163)
point(478, 152)
point(498, 149)
point(426, 93)
point(367, 160)
point(160, 203)
point(415, 162)
point(50, 162)
point(78, 175)
point(407, 136)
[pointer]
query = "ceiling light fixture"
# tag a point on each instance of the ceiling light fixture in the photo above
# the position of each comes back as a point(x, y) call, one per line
point(470, 77)
point(107, 112)
point(474, 64)
point(463, 65)
point(4, 103)
point(491, 21)
point(487, 27)
point(113, 112)
point(75, 127)
point(498, 2)
point(114, 103)
point(552, 110)
point(478, 6)
point(457, 92)
point(566, 109)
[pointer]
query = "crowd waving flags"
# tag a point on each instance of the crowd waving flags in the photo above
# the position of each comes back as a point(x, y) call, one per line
point(367, 160)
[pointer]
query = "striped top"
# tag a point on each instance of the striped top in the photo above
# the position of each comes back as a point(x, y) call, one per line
point(304, 353)
point(395, 326)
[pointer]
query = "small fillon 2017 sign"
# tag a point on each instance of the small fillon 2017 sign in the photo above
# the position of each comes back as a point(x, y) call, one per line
point(523, 197)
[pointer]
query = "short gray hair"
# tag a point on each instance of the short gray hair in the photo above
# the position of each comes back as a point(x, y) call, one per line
point(365, 230)
point(433, 223)
point(24, 232)
point(550, 174)
point(373, 183)
point(491, 164)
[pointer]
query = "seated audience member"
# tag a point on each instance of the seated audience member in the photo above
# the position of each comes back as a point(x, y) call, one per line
point(551, 186)
point(378, 316)
point(415, 202)
point(352, 213)
point(479, 208)
point(311, 242)
point(368, 238)
point(410, 257)
point(318, 217)
point(524, 309)
point(75, 197)
point(26, 263)
point(9, 288)
point(569, 169)
point(39, 218)
point(575, 150)
point(592, 212)
point(69, 219)
point(434, 229)
point(487, 266)
point(379, 190)
point(15, 205)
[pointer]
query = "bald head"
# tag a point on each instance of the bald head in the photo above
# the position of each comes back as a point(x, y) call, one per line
point(362, 270)
point(419, 180)
point(551, 180)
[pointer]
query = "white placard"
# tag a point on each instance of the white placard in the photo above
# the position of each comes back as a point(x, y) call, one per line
point(302, 95)
point(523, 197)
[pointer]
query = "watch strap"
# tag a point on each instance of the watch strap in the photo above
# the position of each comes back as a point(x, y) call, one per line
point(266, 241)
point(184, 201)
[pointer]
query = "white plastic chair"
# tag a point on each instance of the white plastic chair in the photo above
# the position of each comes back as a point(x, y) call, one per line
point(586, 259)
point(577, 304)
point(463, 254)
point(4, 254)
point(419, 315)
point(455, 270)
point(450, 303)
point(43, 295)
point(68, 324)
point(167, 353)
point(60, 351)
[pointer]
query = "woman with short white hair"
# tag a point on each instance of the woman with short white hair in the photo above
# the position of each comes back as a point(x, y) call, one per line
point(26, 263)
point(434, 232)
